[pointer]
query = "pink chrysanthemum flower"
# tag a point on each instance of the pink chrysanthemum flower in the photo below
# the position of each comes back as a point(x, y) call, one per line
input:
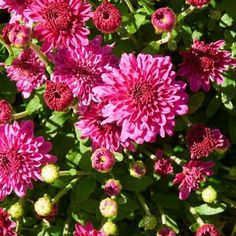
point(87, 230)
point(21, 156)
point(163, 19)
point(81, 69)
point(194, 172)
point(101, 135)
point(143, 97)
point(60, 23)
point(163, 165)
point(5, 112)
point(6, 225)
point(198, 3)
point(202, 141)
point(107, 18)
point(166, 231)
point(57, 96)
point(207, 230)
point(204, 63)
point(28, 71)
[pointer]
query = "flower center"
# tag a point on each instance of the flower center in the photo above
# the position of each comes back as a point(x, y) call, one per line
point(9, 162)
point(58, 16)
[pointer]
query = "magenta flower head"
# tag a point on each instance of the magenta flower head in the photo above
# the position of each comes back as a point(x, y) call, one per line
point(137, 169)
point(6, 29)
point(202, 141)
point(166, 231)
point(87, 230)
point(19, 35)
point(106, 17)
point(163, 20)
point(5, 112)
point(105, 135)
point(142, 97)
point(59, 23)
point(204, 63)
point(207, 229)
point(194, 172)
point(6, 225)
point(81, 69)
point(21, 157)
point(198, 3)
point(28, 72)
point(163, 165)
point(103, 160)
point(57, 96)
point(113, 187)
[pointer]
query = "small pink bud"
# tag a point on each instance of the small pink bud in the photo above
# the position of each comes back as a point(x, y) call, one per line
point(113, 187)
point(137, 169)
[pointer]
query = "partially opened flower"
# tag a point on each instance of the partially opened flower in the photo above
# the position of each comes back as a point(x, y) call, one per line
point(198, 3)
point(6, 225)
point(21, 158)
point(166, 231)
point(28, 71)
point(207, 229)
point(87, 230)
point(142, 97)
point(204, 63)
point(112, 187)
point(107, 17)
point(6, 112)
point(194, 172)
point(60, 23)
point(202, 141)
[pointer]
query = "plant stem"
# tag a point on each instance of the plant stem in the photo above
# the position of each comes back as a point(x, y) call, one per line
point(69, 173)
point(130, 6)
point(67, 223)
point(230, 202)
point(194, 214)
point(165, 40)
point(186, 119)
point(20, 115)
point(64, 190)
point(143, 203)
point(186, 12)
point(149, 154)
point(163, 216)
point(9, 49)
point(177, 160)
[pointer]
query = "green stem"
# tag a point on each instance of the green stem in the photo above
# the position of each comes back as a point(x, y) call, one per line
point(165, 40)
point(130, 6)
point(194, 214)
point(230, 202)
point(129, 155)
point(143, 203)
point(135, 41)
point(186, 119)
point(163, 216)
point(9, 49)
point(64, 190)
point(233, 231)
point(177, 160)
point(69, 173)
point(186, 12)
point(20, 115)
point(67, 223)
point(149, 154)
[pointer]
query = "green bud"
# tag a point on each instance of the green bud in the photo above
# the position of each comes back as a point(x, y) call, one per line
point(50, 173)
point(209, 194)
point(148, 222)
point(43, 206)
point(137, 169)
point(172, 45)
point(109, 228)
point(16, 210)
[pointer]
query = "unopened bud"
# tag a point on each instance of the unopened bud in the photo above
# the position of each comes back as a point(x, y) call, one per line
point(209, 194)
point(43, 206)
point(109, 228)
point(148, 222)
point(137, 169)
point(16, 210)
point(108, 208)
point(50, 173)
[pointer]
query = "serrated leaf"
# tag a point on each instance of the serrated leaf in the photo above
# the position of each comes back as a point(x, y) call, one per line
point(210, 209)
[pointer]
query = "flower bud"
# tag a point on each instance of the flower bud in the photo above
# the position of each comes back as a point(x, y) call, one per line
point(209, 194)
point(50, 173)
point(109, 228)
point(43, 206)
point(108, 208)
point(207, 229)
point(102, 160)
point(166, 231)
point(16, 210)
point(148, 222)
point(163, 20)
point(5, 112)
point(137, 169)
point(198, 3)
point(113, 187)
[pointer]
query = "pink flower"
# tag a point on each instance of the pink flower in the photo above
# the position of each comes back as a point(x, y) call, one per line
point(198, 3)
point(87, 230)
point(5, 112)
point(163, 165)
point(142, 97)
point(81, 69)
point(107, 18)
point(166, 231)
point(137, 169)
point(60, 23)
point(194, 172)
point(113, 187)
point(6, 225)
point(207, 229)
point(57, 96)
point(202, 141)
point(204, 63)
point(101, 135)
point(21, 157)
point(163, 19)
point(103, 160)
point(28, 71)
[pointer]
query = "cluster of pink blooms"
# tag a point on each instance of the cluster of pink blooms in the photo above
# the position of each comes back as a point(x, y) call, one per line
point(87, 230)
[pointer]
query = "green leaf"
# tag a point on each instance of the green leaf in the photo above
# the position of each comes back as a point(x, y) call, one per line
point(226, 21)
point(7, 88)
point(85, 162)
point(166, 200)
point(133, 22)
point(213, 106)
point(118, 156)
point(195, 102)
point(232, 129)
point(34, 105)
point(210, 209)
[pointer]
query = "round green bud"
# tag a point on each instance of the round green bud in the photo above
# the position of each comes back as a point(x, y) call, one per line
point(50, 173)
point(16, 210)
point(108, 208)
point(209, 194)
point(43, 206)
point(148, 222)
point(109, 228)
